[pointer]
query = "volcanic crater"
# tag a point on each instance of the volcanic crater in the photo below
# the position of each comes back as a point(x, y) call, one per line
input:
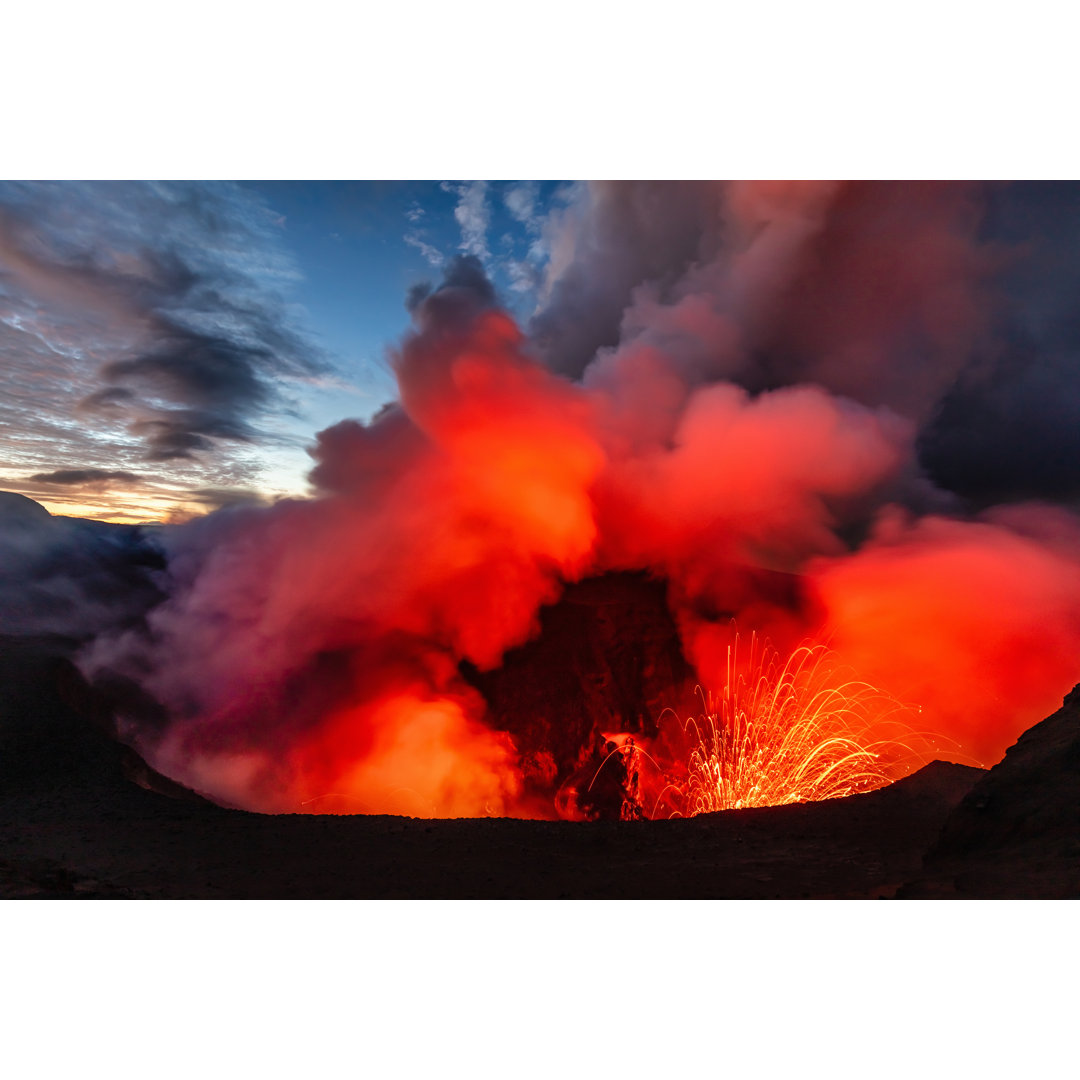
point(82, 816)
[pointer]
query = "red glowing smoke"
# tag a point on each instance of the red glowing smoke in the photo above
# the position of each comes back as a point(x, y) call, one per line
point(308, 656)
point(977, 622)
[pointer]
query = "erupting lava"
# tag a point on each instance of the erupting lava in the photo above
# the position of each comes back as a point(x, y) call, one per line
point(747, 433)
point(789, 732)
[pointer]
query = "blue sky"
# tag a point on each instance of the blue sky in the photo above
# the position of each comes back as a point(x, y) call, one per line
point(360, 246)
point(167, 348)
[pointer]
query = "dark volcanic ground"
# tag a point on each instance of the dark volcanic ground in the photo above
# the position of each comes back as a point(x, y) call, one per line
point(74, 822)
point(97, 843)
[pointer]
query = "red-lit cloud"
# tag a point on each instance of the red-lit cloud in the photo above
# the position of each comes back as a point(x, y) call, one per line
point(755, 418)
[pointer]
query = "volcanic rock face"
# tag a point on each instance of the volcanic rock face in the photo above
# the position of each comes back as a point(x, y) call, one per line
point(42, 740)
point(74, 843)
point(56, 732)
point(1017, 833)
point(64, 774)
point(607, 660)
point(72, 823)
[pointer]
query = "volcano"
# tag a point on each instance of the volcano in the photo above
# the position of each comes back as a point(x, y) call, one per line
point(711, 529)
point(83, 817)
point(607, 662)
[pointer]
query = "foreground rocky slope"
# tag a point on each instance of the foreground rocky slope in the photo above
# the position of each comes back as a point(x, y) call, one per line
point(139, 844)
point(1017, 833)
point(80, 816)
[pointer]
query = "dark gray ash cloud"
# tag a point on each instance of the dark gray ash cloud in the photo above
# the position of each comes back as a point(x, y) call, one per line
point(78, 477)
point(217, 498)
point(955, 305)
point(465, 288)
point(1010, 426)
point(619, 235)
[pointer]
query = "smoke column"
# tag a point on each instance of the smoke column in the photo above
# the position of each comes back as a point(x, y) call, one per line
point(726, 387)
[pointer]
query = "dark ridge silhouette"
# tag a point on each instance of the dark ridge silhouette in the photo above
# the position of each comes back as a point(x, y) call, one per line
point(56, 733)
point(82, 817)
point(1017, 833)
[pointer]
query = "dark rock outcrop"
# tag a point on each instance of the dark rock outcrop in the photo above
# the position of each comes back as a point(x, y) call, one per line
point(1017, 834)
point(55, 731)
point(607, 659)
point(72, 823)
point(73, 843)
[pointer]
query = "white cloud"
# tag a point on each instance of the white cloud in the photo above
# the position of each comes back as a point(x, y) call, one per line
point(433, 255)
point(473, 215)
point(524, 276)
point(520, 200)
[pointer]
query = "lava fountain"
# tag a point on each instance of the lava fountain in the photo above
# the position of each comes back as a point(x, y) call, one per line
point(790, 731)
point(740, 439)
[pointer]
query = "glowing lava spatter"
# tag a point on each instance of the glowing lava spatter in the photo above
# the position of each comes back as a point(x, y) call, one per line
point(790, 732)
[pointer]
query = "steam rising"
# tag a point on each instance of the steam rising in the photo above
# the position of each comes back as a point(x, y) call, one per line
point(754, 367)
point(70, 578)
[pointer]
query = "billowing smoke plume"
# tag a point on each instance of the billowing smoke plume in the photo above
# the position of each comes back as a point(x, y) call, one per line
point(977, 621)
point(756, 367)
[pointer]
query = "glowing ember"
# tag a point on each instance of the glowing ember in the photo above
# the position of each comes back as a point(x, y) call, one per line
point(745, 428)
point(787, 733)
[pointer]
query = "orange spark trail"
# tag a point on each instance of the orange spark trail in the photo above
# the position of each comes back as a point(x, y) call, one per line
point(790, 732)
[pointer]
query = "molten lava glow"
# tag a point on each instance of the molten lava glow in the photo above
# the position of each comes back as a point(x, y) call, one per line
point(790, 732)
point(747, 441)
point(424, 759)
